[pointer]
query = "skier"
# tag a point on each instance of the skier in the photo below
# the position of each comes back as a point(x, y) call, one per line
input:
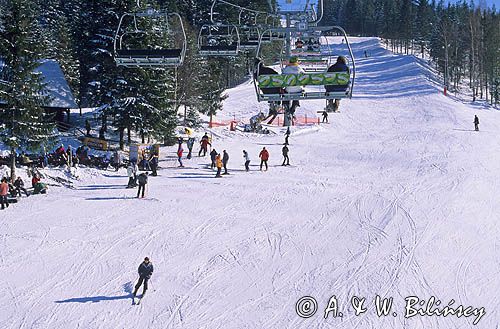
point(205, 141)
point(131, 175)
point(145, 271)
point(153, 163)
point(325, 116)
point(213, 155)
point(286, 159)
point(87, 127)
point(4, 190)
point(218, 164)
point(264, 156)
point(339, 66)
point(143, 180)
point(180, 150)
point(225, 159)
point(287, 134)
point(190, 144)
point(292, 68)
point(19, 186)
point(476, 123)
point(247, 160)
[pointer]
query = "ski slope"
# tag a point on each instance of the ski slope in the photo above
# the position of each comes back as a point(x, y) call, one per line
point(396, 197)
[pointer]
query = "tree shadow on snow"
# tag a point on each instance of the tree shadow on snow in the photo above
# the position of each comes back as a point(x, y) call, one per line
point(127, 287)
point(464, 129)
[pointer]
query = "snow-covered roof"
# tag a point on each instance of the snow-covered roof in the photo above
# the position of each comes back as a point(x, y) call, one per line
point(56, 84)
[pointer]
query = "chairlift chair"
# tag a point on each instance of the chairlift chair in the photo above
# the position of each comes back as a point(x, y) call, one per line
point(314, 82)
point(127, 54)
point(219, 40)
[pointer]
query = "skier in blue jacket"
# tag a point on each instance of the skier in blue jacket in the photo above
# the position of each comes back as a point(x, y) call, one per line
point(145, 271)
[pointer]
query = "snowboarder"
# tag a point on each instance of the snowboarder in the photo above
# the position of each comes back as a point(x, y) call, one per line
point(247, 160)
point(213, 155)
point(225, 159)
point(4, 190)
point(180, 150)
point(264, 156)
point(153, 163)
point(190, 144)
point(286, 159)
point(325, 116)
point(476, 123)
point(19, 186)
point(205, 141)
point(145, 271)
point(143, 180)
point(339, 66)
point(218, 164)
point(87, 127)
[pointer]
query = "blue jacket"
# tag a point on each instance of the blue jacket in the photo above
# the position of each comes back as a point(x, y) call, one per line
point(145, 270)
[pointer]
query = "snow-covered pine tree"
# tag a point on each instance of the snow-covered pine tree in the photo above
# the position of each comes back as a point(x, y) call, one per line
point(23, 121)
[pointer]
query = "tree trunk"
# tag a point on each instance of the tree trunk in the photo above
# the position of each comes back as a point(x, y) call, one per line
point(129, 138)
point(122, 146)
point(13, 164)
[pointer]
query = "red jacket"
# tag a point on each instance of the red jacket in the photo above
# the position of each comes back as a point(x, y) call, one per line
point(34, 181)
point(4, 189)
point(264, 155)
point(179, 152)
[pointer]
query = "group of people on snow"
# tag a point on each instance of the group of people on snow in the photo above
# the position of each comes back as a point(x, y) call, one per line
point(10, 190)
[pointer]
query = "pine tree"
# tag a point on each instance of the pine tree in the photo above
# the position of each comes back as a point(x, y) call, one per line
point(23, 121)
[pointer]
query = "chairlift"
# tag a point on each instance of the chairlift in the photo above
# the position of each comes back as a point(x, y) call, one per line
point(313, 82)
point(219, 40)
point(152, 26)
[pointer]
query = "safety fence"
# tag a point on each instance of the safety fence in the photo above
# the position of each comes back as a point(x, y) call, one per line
point(278, 121)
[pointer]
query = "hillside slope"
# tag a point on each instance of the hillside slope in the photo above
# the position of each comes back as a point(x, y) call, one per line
point(396, 197)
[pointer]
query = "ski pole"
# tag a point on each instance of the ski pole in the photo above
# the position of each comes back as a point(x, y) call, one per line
point(151, 283)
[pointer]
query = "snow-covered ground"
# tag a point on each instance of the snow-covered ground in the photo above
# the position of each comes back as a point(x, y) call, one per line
point(396, 197)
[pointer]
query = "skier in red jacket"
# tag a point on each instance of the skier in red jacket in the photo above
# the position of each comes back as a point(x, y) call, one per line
point(264, 156)
point(204, 145)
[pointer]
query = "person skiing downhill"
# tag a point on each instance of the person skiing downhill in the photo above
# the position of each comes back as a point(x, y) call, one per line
point(247, 160)
point(287, 135)
point(143, 180)
point(225, 159)
point(286, 159)
point(325, 116)
point(476, 123)
point(145, 271)
point(264, 156)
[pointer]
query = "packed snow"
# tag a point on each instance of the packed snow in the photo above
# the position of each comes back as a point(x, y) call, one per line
point(397, 196)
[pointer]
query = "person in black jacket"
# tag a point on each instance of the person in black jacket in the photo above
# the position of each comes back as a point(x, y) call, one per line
point(213, 155)
point(143, 180)
point(225, 159)
point(476, 123)
point(339, 66)
point(286, 159)
point(19, 186)
point(145, 271)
